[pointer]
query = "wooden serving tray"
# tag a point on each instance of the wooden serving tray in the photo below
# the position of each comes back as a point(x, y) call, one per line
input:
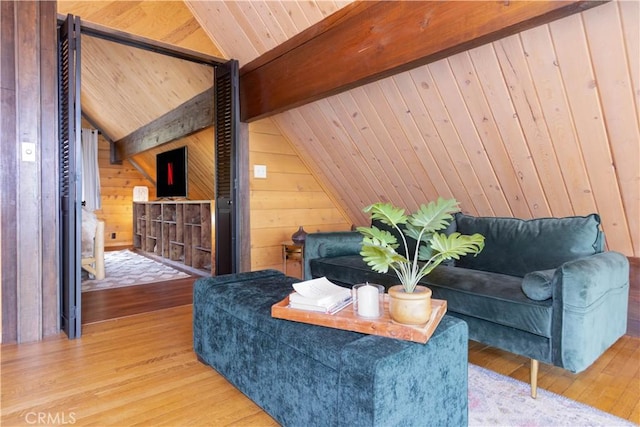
point(348, 320)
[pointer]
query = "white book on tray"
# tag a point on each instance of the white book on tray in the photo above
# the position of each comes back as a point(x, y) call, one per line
point(319, 295)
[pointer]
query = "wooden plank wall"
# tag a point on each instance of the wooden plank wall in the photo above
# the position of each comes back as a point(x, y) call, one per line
point(541, 123)
point(116, 189)
point(28, 255)
point(200, 162)
point(289, 197)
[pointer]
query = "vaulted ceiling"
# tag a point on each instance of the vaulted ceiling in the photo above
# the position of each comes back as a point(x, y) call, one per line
point(541, 123)
point(125, 88)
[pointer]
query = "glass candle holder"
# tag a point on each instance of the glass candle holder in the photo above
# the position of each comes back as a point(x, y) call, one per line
point(368, 300)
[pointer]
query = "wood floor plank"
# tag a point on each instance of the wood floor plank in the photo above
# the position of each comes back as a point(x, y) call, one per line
point(126, 301)
point(140, 370)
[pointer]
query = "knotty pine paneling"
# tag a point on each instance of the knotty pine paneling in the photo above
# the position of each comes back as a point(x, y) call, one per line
point(200, 162)
point(245, 29)
point(288, 197)
point(116, 190)
point(125, 88)
point(167, 21)
point(541, 123)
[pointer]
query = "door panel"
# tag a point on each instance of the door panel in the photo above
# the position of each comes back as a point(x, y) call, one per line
point(227, 113)
point(70, 173)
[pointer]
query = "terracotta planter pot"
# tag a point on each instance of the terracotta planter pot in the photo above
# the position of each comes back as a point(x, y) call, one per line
point(410, 309)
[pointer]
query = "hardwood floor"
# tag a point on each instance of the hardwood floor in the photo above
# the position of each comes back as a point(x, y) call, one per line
point(141, 370)
point(135, 370)
point(119, 302)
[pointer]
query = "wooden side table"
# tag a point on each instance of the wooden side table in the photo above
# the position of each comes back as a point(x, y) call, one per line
point(292, 251)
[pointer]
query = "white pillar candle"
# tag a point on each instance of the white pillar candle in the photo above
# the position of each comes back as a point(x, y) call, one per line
point(368, 301)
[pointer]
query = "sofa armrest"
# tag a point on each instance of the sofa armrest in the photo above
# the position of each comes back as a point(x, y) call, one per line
point(586, 280)
point(329, 245)
point(590, 298)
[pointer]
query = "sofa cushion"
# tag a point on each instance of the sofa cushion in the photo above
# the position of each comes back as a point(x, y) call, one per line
point(537, 284)
point(339, 248)
point(489, 296)
point(494, 297)
point(516, 246)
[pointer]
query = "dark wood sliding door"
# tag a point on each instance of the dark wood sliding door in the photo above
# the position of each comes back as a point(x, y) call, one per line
point(227, 113)
point(70, 184)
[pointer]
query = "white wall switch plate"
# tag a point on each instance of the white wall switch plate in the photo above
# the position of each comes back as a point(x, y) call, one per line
point(28, 152)
point(259, 171)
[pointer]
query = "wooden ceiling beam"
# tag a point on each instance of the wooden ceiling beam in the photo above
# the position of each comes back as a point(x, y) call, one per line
point(369, 40)
point(194, 115)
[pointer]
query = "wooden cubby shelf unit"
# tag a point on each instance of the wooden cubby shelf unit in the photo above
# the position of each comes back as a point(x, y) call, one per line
point(179, 231)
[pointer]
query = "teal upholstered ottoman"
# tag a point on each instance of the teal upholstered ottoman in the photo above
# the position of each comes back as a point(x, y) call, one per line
point(306, 375)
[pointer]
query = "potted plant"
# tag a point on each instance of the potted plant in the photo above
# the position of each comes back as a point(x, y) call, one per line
point(409, 302)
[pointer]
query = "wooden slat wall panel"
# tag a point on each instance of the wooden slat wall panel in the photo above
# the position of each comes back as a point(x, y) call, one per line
point(575, 60)
point(28, 204)
point(482, 146)
point(607, 46)
point(244, 29)
point(116, 190)
point(508, 123)
point(29, 254)
point(290, 196)
point(8, 171)
point(542, 123)
point(168, 21)
point(200, 165)
point(427, 143)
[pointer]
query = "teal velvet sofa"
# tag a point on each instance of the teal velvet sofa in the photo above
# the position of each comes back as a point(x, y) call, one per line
point(542, 288)
point(306, 375)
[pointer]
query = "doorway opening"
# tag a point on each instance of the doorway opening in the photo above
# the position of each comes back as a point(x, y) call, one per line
point(141, 113)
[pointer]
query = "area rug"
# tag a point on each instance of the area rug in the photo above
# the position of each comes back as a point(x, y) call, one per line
point(126, 268)
point(498, 400)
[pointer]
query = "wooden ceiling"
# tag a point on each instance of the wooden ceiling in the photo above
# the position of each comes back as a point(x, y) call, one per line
point(125, 88)
point(541, 123)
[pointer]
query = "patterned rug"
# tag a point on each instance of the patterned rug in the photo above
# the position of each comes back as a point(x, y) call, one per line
point(498, 400)
point(126, 268)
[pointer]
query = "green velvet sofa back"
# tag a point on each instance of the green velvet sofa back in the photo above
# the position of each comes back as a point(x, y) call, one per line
point(513, 246)
point(517, 247)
